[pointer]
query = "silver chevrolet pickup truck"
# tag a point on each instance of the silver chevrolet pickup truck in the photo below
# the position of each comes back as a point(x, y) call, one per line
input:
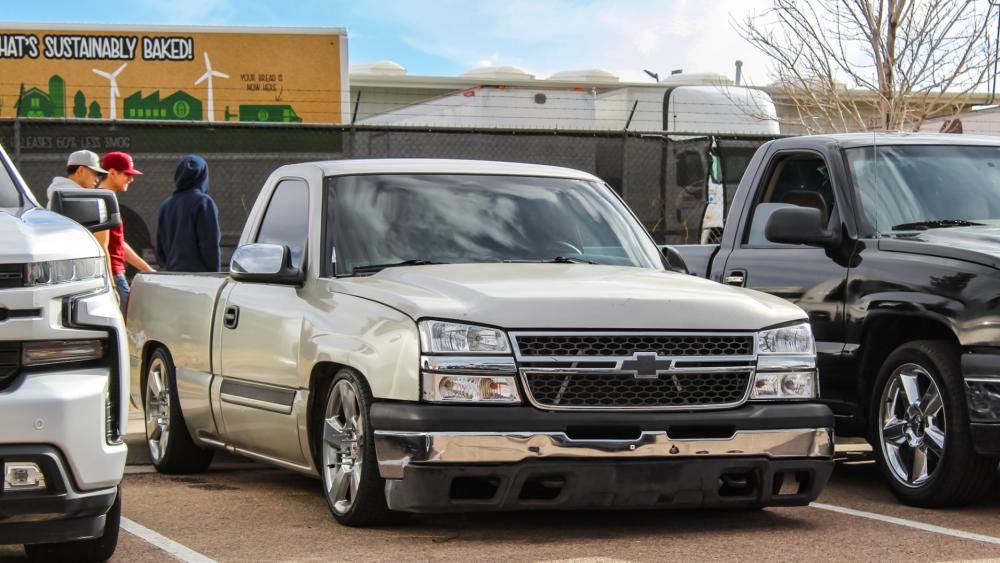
point(448, 336)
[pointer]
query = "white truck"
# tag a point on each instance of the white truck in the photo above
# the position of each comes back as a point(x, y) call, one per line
point(447, 335)
point(63, 376)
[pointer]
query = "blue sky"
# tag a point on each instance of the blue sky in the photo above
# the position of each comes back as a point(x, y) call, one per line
point(448, 37)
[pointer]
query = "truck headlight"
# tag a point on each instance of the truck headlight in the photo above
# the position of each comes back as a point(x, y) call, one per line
point(445, 337)
point(445, 388)
point(794, 339)
point(60, 351)
point(64, 271)
point(785, 385)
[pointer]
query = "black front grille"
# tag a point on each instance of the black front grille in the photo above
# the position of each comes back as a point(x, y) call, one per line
point(11, 275)
point(616, 390)
point(626, 345)
point(10, 362)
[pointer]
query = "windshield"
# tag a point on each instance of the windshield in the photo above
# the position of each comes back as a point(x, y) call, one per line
point(388, 219)
point(918, 187)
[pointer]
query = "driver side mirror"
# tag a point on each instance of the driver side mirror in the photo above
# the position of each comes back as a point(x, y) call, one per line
point(800, 225)
point(95, 209)
point(265, 263)
point(672, 260)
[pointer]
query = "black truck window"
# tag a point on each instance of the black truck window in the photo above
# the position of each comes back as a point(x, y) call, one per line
point(286, 218)
point(796, 180)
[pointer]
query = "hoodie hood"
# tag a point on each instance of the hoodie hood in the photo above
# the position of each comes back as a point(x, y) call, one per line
point(569, 296)
point(191, 174)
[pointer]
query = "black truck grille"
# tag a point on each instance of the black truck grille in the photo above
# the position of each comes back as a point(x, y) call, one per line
point(626, 345)
point(11, 275)
point(622, 390)
point(10, 362)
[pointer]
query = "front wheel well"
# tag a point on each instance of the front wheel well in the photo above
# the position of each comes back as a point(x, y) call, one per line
point(884, 334)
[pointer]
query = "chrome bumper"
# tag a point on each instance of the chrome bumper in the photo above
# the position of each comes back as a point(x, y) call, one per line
point(395, 450)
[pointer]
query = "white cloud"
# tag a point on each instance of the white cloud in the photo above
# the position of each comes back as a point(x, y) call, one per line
point(546, 37)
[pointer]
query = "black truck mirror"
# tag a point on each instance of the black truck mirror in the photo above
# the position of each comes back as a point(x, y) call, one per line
point(264, 263)
point(799, 225)
point(672, 260)
point(95, 209)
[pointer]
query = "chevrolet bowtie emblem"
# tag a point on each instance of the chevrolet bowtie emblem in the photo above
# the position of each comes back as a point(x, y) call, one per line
point(646, 365)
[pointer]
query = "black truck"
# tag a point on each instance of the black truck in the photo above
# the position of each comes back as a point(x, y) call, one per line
point(891, 244)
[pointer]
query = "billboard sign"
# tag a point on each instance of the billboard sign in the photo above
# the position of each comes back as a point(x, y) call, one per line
point(213, 74)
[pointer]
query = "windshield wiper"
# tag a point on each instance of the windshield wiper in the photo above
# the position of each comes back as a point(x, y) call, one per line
point(934, 224)
point(556, 260)
point(569, 260)
point(378, 267)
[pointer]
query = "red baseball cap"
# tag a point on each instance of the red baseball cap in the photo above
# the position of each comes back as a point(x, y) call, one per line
point(120, 161)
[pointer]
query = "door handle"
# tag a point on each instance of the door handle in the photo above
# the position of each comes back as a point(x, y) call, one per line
point(736, 278)
point(231, 317)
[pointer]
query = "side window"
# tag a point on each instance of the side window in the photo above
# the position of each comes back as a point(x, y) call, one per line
point(286, 220)
point(796, 180)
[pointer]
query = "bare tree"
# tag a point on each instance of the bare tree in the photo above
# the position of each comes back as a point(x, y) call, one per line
point(840, 63)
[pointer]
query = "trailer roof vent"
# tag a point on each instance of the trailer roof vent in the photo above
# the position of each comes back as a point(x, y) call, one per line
point(585, 76)
point(505, 73)
point(379, 68)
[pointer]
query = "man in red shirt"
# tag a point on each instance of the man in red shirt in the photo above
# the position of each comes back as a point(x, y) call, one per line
point(121, 173)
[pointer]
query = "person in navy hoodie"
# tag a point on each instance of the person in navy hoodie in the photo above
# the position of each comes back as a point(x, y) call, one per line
point(187, 227)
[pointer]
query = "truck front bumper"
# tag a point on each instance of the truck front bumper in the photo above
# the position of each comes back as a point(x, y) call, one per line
point(58, 513)
point(757, 455)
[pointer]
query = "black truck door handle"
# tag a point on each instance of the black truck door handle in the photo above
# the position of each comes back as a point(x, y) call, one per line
point(231, 317)
point(736, 277)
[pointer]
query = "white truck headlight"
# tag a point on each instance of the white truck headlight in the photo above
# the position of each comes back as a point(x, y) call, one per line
point(445, 337)
point(785, 385)
point(794, 339)
point(64, 271)
point(446, 388)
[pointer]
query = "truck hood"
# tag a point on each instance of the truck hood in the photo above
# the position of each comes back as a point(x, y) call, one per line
point(569, 296)
point(36, 235)
point(978, 244)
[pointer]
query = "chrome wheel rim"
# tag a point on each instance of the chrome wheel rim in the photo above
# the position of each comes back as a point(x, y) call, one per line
point(157, 409)
point(913, 425)
point(343, 446)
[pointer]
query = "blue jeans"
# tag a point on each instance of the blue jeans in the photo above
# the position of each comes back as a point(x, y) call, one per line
point(121, 286)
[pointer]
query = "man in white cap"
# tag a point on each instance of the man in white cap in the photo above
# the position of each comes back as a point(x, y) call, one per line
point(83, 169)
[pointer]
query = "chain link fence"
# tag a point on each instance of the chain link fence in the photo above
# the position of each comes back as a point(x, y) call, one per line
point(664, 179)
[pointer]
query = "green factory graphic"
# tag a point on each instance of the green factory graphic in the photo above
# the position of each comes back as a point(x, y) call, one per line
point(180, 106)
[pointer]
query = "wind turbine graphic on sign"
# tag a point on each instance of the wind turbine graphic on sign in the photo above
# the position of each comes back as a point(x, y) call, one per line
point(113, 94)
point(209, 73)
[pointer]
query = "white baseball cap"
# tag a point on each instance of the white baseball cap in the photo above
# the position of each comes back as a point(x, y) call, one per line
point(88, 159)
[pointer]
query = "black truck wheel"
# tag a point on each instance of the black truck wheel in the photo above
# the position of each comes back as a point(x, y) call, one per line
point(92, 550)
point(920, 428)
point(354, 490)
point(171, 448)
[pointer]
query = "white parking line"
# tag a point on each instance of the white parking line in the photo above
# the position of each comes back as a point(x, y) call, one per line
point(908, 523)
point(166, 544)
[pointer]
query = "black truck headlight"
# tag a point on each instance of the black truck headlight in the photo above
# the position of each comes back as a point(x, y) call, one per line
point(44, 352)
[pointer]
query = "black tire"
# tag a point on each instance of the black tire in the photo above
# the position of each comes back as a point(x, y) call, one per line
point(180, 455)
point(954, 474)
point(97, 549)
point(366, 506)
